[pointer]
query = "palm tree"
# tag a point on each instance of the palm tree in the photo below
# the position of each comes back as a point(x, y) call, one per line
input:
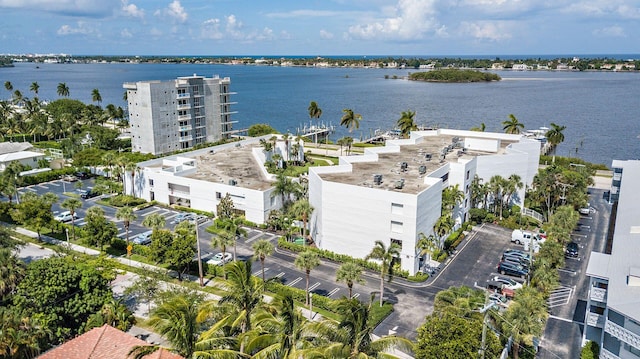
point(233, 225)
point(426, 245)
point(34, 88)
point(443, 225)
point(348, 141)
point(72, 204)
point(461, 301)
point(350, 119)
point(314, 112)
point(223, 239)
point(96, 97)
point(512, 125)
point(302, 209)
point(176, 320)
point(525, 318)
point(406, 123)
point(480, 128)
point(12, 270)
point(63, 89)
point(8, 85)
point(353, 334)
point(154, 221)
point(554, 135)
point(496, 187)
point(262, 249)
point(451, 197)
point(244, 293)
point(385, 255)
point(350, 273)
point(511, 185)
point(127, 216)
point(284, 187)
point(306, 261)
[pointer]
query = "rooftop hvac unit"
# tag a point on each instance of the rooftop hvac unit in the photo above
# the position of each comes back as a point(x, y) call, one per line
point(455, 139)
point(233, 182)
point(377, 179)
point(460, 153)
point(404, 166)
point(399, 184)
point(422, 169)
point(427, 157)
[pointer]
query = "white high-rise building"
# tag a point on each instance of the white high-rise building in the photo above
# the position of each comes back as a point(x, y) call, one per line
point(167, 116)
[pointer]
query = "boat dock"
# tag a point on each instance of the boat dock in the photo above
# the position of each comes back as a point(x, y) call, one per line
point(320, 131)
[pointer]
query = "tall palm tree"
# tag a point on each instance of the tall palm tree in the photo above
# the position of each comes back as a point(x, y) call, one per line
point(96, 97)
point(306, 261)
point(223, 239)
point(234, 225)
point(72, 204)
point(443, 225)
point(262, 249)
point(302, 209)
point(34, 87)
point(350, 273)
point(8, 86)
point(554, 135)
point(496, 187)
point(426, 245)
point(451, 197)
point(406, 123)
point(350, 119)
point(314, 112)
point(511, 186)
point(480, 128)
point(460, 300)
point(525, 318)
point(63, 89)
point(244, 292)
point(127, 216)
point(512, 125)
point(284, 187)
point(385, 255)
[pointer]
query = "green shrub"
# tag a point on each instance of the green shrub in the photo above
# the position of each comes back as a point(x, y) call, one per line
point(119, 244)
point(47, 176)
point(125, 200)
point(419, 277)
point(591, 350)
point(378, 313)
point(490, 218)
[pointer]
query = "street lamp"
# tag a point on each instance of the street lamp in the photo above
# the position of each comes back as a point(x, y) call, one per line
point(199, 256)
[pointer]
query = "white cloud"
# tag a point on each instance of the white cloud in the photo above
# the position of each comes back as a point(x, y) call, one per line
point(155, 32)
point(628, 12)
point(211, 29)
point(324, 34)
point(486, 30)
point(131, 9)
point(174, 11)
point(611, 31)
point(126, 33)
point(409, 19)
point(93, 8)
point(305, 14)
point(81, 29)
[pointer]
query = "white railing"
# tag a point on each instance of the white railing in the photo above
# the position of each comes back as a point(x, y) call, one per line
point(605, 354)
point(533, 214)
point(598, 294)
point(595, 320)
point(184, 95)
point(186, 138)
point(185, 128)
point(622, 334)
point(184, 107)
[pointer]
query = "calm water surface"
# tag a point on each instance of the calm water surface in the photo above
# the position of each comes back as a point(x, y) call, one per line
point(599, 109)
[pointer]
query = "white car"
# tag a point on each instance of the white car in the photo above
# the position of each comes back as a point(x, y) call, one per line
point(508, 282)
point(587, 210)
point(220, 260)
point(499, 299)
point(143, 238)
point(65, 216)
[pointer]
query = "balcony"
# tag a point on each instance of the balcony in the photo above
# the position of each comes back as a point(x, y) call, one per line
point(622, 334)
point(184, 117)
point(595, 320)
point(185, 128)
point(184, 107)
point(183, 95)
point(186, 138)
point(598, 294)
point(605, 354)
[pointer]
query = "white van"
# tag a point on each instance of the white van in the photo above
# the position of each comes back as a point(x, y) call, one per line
point(519, 236)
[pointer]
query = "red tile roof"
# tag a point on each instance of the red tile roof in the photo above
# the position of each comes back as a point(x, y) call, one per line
point(105, 342)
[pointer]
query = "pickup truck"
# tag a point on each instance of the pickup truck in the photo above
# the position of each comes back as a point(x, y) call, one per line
point(499, 287)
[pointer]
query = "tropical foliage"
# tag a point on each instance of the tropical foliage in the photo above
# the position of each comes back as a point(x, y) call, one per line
point(454, 75)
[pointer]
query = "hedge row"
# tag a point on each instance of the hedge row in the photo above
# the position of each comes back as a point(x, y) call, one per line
point(336, 257)
point(47, 176)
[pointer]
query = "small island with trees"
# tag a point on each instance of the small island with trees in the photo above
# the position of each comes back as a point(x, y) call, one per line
point(454, 75)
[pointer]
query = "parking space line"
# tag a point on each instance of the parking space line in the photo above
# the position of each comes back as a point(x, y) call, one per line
point(259, 272)
point(150, 212)
point(121, 234)
point(81, 223)
point(314, 286)
point(170, 217)
point(294, 282)
point(333, 291)
point(43, 186)
point(355, 296)
point(249, 240)
point(279, 275)
point(32, 189)
point(54, 184)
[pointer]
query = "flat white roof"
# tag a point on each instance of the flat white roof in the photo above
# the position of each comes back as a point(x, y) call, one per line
point(17, 156)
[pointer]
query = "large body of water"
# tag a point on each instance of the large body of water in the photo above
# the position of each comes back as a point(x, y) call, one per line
point(600, 109)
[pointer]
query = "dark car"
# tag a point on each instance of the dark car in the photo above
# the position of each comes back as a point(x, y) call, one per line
point(512, 269)
point(82, 175)
point(572, 250)
point(515, 259)
point(88, 194)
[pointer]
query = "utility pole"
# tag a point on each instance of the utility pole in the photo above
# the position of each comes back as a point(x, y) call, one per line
point(485, 310)
point(199, 256)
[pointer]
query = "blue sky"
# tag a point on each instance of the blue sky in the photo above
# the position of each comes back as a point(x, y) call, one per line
point(320, 27)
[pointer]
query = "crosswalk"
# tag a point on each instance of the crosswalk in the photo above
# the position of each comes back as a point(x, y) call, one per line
point(560, 296)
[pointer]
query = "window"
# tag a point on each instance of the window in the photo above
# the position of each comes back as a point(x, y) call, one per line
point(150, 182)
point(219, 195)
point(398, 242)
point(152, 196)
point(445, 177)
point(468, 174)
point(396, 227)
point(396, 208)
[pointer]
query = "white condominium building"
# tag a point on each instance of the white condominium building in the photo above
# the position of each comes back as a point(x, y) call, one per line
point(393, 193)
point(167, 116)
point(612, 316)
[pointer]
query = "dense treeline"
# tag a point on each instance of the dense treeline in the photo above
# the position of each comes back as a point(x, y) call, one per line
point(454, 75)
